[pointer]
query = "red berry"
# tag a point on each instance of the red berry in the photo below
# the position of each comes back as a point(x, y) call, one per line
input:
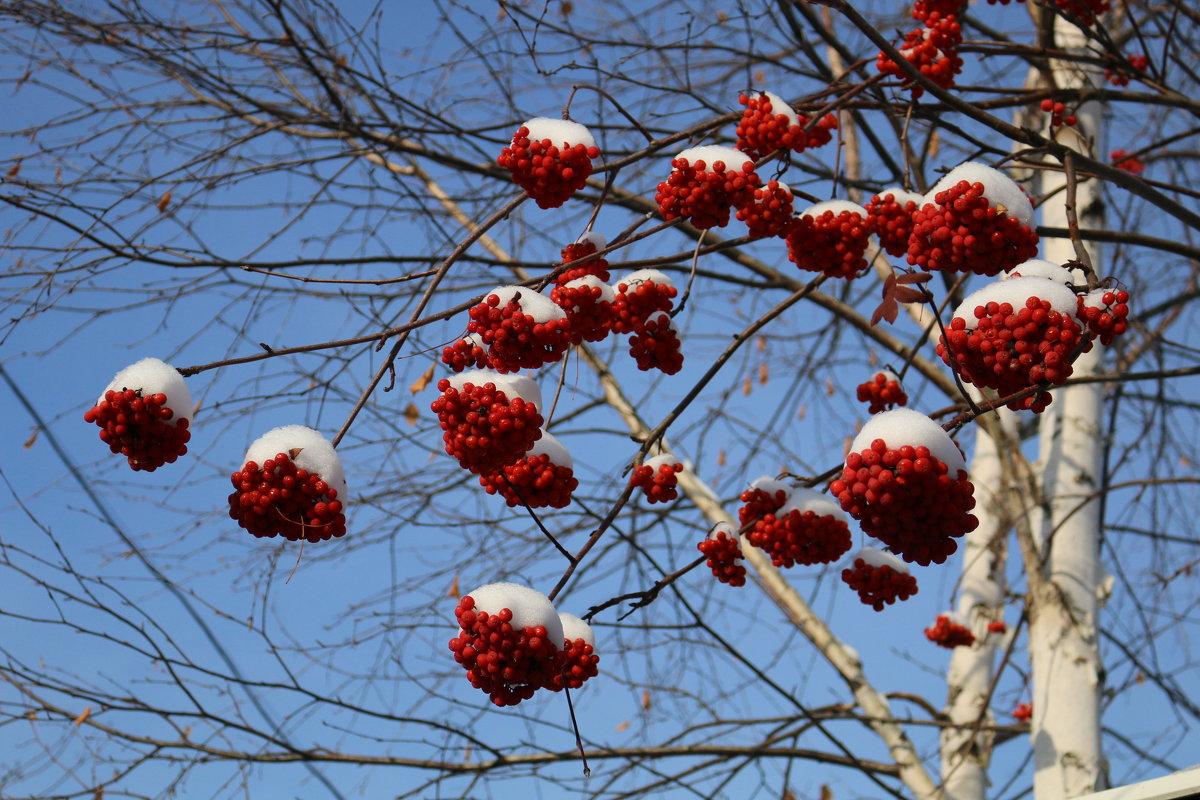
point(1023, 712)
point(889, 217)
point(769, 124)
point(948, 634)
point(639, 296)
point(588, 244)
point(769, 212)
point(807, 529)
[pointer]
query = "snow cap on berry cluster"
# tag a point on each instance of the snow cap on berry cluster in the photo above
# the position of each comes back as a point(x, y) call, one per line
point(607, 295)
point(903, 426)
point(836, 206)
point(315, 454)
point(655, 462)
point(803, 499)
point(901, 196)
point(874, 557)
point(887, 374)
point(659, 317)
point(598, 240)
point(536, 305)
point(710, 154)
point(1040, 268)
point(513, 386)
point(1015, 291)
point(644, 276)
point(530, 608)
point(998, 189)
point(781, 107)
point(559, 132)
point(552, 447)
point(770, 485)
point(153, 376)
point(575, 628)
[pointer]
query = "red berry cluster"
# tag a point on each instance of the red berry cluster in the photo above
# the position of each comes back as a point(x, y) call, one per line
point(1058, 113)
point(961, 231)
point(655, 345)
point(878, 585)
point(1023, 712)
point(485, 429)
point(1130, 163)
point(932, 49)
point(702, 192)
point(757, 503)
point(1085, 10)
point(997, 626)
point(575, 252)
point(906, 499)
point(829, 241)
point(882, 391)
point(889, 217)
point(770, 211)
point(508, 663)
point(1120, 77)
point(576, 663)
point(143, 429)
point(540, 482)
point(658, 479)
point(587, 304)
point(280, 499)
point(639, 297)
point(1104, 311)
point(1012, 350)
point(765, 128)
point(465, 354)
point(948, 634)
point(515, 339)
point(723, 556)
point(548, 172)
point(800, 537)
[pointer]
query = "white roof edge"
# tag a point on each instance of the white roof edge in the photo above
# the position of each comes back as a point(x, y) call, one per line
point(1184, 783)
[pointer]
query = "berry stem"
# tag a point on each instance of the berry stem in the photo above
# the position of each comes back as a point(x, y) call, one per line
point(537, 520)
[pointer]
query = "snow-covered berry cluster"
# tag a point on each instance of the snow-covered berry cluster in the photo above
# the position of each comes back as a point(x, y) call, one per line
point(1014, 334)
point(586, 245)
point(542, 478)
point(905, 481)
point(512, 642)
point(769, 212)
point(879, 578)
point(705, 183)
point(947, 633)
point(145, 414)
point(770, 124)
point(974, 220)
point(640, 295)
point(883, 391)
point(808, 528)
point(291, 484)
point(1125, 161)
point(723, 555)
point(766, 495)
point(589, 305)
point(932, 48)
point(658, 478)
point(655, 344)
point(521, 329)
point(889, 217)
point(550, 159)
point(465, 353)
point(489, 420)
point(1104, 311)
point(830, 238)
point(1058, 113)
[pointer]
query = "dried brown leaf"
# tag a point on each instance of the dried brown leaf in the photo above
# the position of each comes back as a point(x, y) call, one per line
point(763, 373)
point(621, 726)
point(411, 414)
point(645, 699)
point(420, 383)
point(14, 170)
point(454, 590)
point(164, 201)
point(32, 438)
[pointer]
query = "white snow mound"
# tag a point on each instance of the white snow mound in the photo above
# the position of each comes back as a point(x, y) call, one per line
point(836, 206)
point(770, 485)
point(559, 131)
point(875, 557)
point(1016, 291)
point(657, 461)
point(710, 154)
point(781, 106)
point(538, 306)
point(804, 499)
point(575, 628)
point(1039, 268)
point(154, 377)
point(664, 315)
point(552, 447)
point(644, 275)
point(887, 374)
point(902, 196)
point(606, 292)
point(513, 386)
point(903, 426)
point(315, 454)
point(597, 239)
point(529, 607)
point(998, 188)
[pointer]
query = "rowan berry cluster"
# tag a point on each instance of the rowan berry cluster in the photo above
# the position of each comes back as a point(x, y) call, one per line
point(769, 212)
point(639, 296)
point(878, 584)
point(1104, 312)
point(830, 238)
point(997, 626)
point(889, 217)
point(277, 498)
point(962, 231)
point(905, 498)
point(800, 537)
point(550, 159)
point(705, 183)
point(1121, 77)
point(883, 391)
point(655, 345)
point(521, 329)
point(765, 496)
point(932, 48)
point(484, 428)
point(577, 662)
point(577, 251)
point(949, 634)
point(143, 428)
point(658, 478)
point(723, 555)
point(508, 663)
point(769, 124)
point(1130, 163)
point(534, 480)
point(1058, 113)
point(465, 353)
point(1023, 712)
point(589, 305)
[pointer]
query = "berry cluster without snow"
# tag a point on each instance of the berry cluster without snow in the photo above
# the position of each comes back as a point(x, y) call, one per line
point(830, 238)
point(489, 420)
point(932, 48)
point(291, 484)
point(1105, 313)
point(705, 184)
point(1058, 113)
point(550, 159)
point(542, 478)
point(1125, 161)
point(655, 345)
point(1121, 77)
point(890, 218)
point(658, 478)
point(465, 353)
point(883, 391)
point(145, 415)
point(879, 578)
point(723, 555)
point(769, 124)
point(949, 634)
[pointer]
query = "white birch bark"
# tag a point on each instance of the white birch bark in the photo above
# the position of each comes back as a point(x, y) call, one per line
point(1063, 608)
